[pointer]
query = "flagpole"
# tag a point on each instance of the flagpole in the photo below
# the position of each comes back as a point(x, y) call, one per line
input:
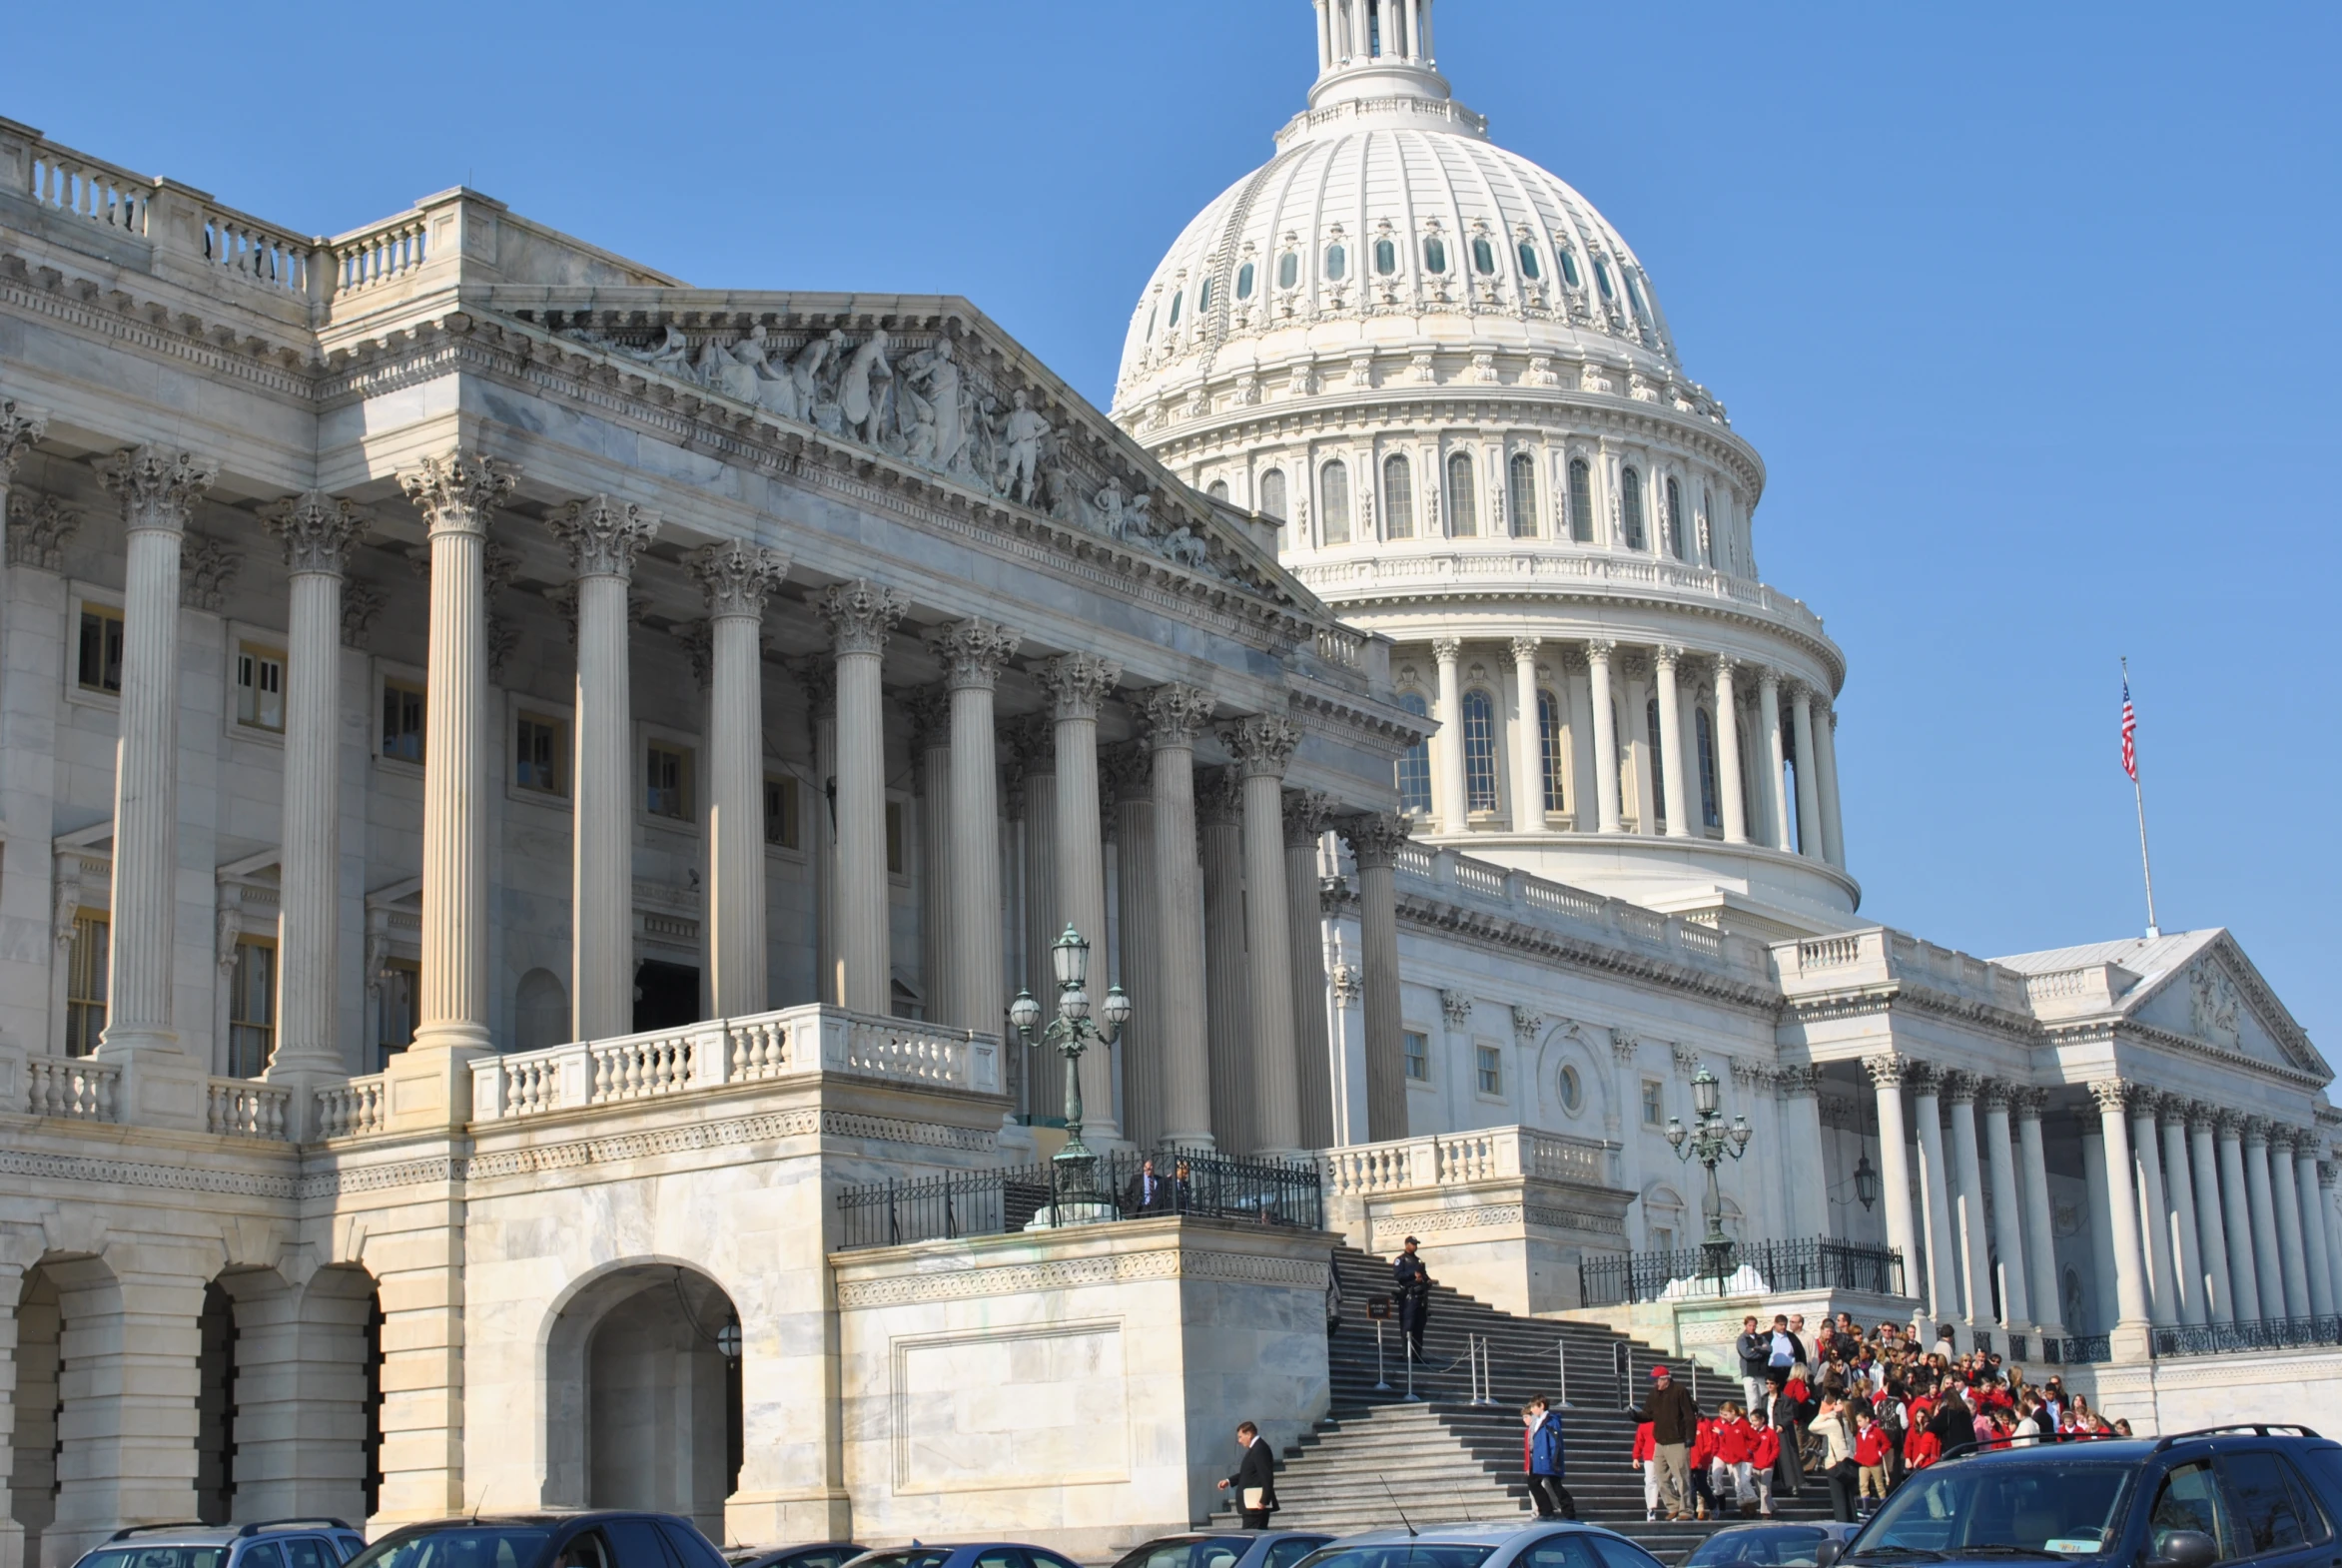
point(2139, 799)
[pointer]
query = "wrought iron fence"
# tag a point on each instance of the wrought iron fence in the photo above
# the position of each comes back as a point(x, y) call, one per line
point(2268, 1333)
point(1818, 1264)
point(2084, 1350)
point(996, 1201)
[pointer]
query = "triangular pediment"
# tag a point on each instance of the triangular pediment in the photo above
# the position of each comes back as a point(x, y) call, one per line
point(2217, 997)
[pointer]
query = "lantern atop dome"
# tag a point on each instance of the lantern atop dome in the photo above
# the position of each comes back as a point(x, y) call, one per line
point(1375, 50)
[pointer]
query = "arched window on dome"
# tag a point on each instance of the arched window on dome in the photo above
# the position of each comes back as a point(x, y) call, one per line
point(1288, 270)
point(1630, 507)
point(1414, 763)
point(1521, 495)
point(1569, 267)
point(1529, 267)
point(1602, 278)
point(1398, 498)
point(1178, 299)
point(1244, 281)
point(1709, 811)
point(1203, 296)
point(1634, 294)
point(1483, 256)
point(1435, 256)
point(1655, 819)
point(1463, 509)
point(1333, 502)
point(1337, 262)
point(1219, 490)
point(1675, 519)
point(1581, 501)
point(1272, 495)
point(1552, 753)
point(1153, 313)
point(1385, 257)
point(1479, 751)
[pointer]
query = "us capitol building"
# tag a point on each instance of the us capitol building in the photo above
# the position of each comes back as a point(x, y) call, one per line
point(530, 788)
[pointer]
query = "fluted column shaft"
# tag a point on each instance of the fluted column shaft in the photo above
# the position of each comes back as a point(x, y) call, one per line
point(1077, 684)
point(973, 651)
point(1968, 1206)
point(318, 531)
point(1528, 742)
point(1262, 746)
point(1228, 986)
point(2180, 1191)
point(1306, 816)
point(1801, 1125)
point(1455, 808)
point(1936, 1181)
point(1605, 737)
point(1772, 799)
point(2312, 1204)
point(2219, 1303)
point(2041, 1246)
point(1671, 758)
point(1728, 769)
point(1809, 796)
point(2154, 1215)
point(938, 946)
point(1375, 842)
point(2007, 1226)
point(2292, 1254)
point(1174, 714)
point(1825, 761)
point(2331, 1213)
point(2262, 1198)
point(861, 616)
point(736, 579)
point(1044, 1070)
point(1886, 1075)
point(2243, 1269)
point(2133, 1312)
point(1138, 948)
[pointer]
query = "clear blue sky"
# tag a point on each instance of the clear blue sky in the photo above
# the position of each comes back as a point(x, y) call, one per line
point(2030, 309)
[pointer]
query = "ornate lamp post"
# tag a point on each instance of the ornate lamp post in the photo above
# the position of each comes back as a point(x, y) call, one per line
point(1071, 1031)
point(1709, 1142)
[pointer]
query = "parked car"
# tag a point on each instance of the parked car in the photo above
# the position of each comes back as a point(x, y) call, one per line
point(1784, 1545)
point(971, 1554)
point(1548, 1545)
point(1225, 1549)
point(595, 1539)
point(271, 1543)
point(2265, 1495)
point(825, 1554)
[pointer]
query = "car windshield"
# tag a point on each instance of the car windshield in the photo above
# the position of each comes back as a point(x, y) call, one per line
point(2040, 1509)
point(461, 1546)
point(1212, 1551)
point(919, 1558)
point(156, 1557)
point(1775, 1546)
point(1400, 1554)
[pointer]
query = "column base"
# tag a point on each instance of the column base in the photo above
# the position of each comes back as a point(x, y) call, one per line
point(302, 1079)
point(425, 1088)
point(1190, 1142)
point(161, 1086)
point(824, 1515)
point(2132, 1342)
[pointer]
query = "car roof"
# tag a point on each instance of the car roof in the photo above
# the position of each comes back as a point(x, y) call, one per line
point(1468, 1534)
point(219, 1534)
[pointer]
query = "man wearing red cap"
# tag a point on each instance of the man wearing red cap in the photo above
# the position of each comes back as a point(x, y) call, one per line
point(1675, 1422)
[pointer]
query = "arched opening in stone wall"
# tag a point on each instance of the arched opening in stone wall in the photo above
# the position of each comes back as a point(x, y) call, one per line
point(642, 1403)
point(65, 1461)
point(289, 1402)
point(214, 1407)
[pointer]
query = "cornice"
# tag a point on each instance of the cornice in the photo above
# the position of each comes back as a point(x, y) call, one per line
point(1500, 934)
point(282, 369)
point(2103, 1030)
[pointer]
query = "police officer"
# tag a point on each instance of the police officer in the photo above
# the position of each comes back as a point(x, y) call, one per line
point(1410, 1282)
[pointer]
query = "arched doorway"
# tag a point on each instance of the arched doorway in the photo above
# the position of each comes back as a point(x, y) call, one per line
point(66, 1457)
point(644, 1396)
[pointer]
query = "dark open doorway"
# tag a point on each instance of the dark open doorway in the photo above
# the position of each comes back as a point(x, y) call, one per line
point(665, 994)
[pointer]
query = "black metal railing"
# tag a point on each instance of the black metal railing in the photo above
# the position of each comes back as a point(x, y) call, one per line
point(2085, 1349)
point(1818, 1264)
point(996, 1201)
point(2268, 1333)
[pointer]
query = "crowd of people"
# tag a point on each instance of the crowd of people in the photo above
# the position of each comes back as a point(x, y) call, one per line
point(1852, 1411)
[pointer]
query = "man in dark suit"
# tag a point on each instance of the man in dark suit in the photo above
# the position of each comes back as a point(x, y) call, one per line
point(1410, 1282)
point(1255, 1482)
point(1148, 1192)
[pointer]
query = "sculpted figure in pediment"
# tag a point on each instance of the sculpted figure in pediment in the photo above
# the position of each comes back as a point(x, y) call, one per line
point(862, 391)
point(1026, 430)
point(936, 377)
point(742, 371)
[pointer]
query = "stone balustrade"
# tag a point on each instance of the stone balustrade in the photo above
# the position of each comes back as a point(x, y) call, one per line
point(1499, 1153)
point(354, 1109)
point(247, 1108)
point(77, 1089)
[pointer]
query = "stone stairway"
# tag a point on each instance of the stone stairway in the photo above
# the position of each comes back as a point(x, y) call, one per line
point(1445, 1460)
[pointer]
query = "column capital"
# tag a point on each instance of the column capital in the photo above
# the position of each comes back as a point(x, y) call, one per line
point(2328, 1176)
point(1666, 657)
point(1726, 664)
point(1376, 836)
point(930, 708)
point(2171, 1111)
point(2228, 1124)
point(737, 577)
point(1925, 1078)
point(1960, 1087)
point(1527, 1023)
point(1306, 812)
point(861, 615)
point(2256, 1130)
point(157, 486)
point(1803, 1082)
point(205, 568)
point(1261, 743)
point(361, 601)
point(1887, 1069)
point(972, 651)
point(604, 534)
point(1219, 797)
point(699, 646)
point(1126, 773)
point(2028, 1101)
point(318, 530)
point(1077, 684)
point(817, 677)
point(21, 425)
point(1174, 713)
point(1455, 1007)
point(2114, 1093)
point(1767, 679)
point(1994, 1096)
point(1599, 651)
point(1447, 649)
point(458, 491)
point(1524, 649)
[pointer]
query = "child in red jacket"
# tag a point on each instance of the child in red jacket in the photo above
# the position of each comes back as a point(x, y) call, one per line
point(1646, 1456)
point(1736, 1440)
point(1763, 1456)
point(1699, 1459)
point(1869, 1453)
point(1921, 1448)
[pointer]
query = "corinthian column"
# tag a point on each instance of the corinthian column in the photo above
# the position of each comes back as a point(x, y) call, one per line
point(2210, 1224)
point(2243, 1269)
point(603, 535)
point(2133, 1320)
point(1671, 758)
point(158, 489)
point(1605, 736)
point(2262, 1199)
point(2040, 1253)
point(973, 652)
point(1077, 684)
point(861, 615)
point(1528, 749)
point(318, 531)
point(2292, 1255)
point(1228, 985)
point(1174, 714)
point(931, 747)
point(1935, 1186)
point(1262, 746)
point(1968, 1204)
point(1727, 770)
point(1886, 1071)
point(2187, 1262)
point(1129, 782)
point(1375, 841)
point(1306, 812)
point(1448, 799)
point(1772, 803)
point(2007, 1227)
point(1809, 790)
point(2313, 1204)
point(2155, 1216)
point(1826, 762)
point(736, 578)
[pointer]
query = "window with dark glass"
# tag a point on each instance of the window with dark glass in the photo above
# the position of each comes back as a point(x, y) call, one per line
point(1674, 519)
point(895, 858)
point(85, 982)
point(1569, 266)
point(1418, 1051)
point(259, 688)
point(538, 754)
point(1529, 267)
point(1630, 507)
point(1602, 277)
point(1151, 321)
point(100, 664)
point(1272, 496)
point(1549, 740)
point(1288, 270)
point(1656, 815)
point(1333, 486)
point(252, 1007)
point(1178, 299)
point(1479, 751)
point(668, 782)
point(1634, 294)
point(1463, 509)
point(1203, 296)
point(1414, 763)
point(1244, 281)
point(1337, 262)
point(1521, 495)
point(783, 820)
point(1709, 812)
point(1434, 256)
point(394, 1009)
point(1398, 498)
point(1581, 501)
point(402, 721)
point(1386, 258)
point(1219, 490)
point(1490, 1070)
point(1483, 256)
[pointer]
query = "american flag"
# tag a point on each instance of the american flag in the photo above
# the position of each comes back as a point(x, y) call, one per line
point(2130, 733)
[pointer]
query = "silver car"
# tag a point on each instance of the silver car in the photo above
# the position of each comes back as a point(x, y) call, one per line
point(1552, 1544)
point(1225, 1549)
point(272, 1543)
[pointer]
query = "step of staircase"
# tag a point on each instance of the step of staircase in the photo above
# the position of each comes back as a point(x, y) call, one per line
point(1379, 1459)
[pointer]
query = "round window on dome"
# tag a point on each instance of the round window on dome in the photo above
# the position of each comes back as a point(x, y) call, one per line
point(1386, 258)
point(1244, 281)
point(1569, 267)
point(1483, 256)
point(1602, 277)
point(1337, 262)
point(1529, 267)
point(1288, 270)
point(1573, 1090)
point(1178, 299)
point(1434, 256)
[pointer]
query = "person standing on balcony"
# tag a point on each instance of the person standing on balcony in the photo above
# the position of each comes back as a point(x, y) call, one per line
point(1674, 1420)
point(1410, 1282)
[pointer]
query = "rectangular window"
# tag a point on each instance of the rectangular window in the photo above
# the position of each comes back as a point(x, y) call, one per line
point(539, 754)
point(259, 688)
point(85, 984)
point(783, 815)
point(402, 721)
point(1491, 1070)
point(668, 792)
point(100, 665)
point(252, 1007)
point(1418, 1055)
point(400, 985)
point(1654, 1103)
point(894, 838)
